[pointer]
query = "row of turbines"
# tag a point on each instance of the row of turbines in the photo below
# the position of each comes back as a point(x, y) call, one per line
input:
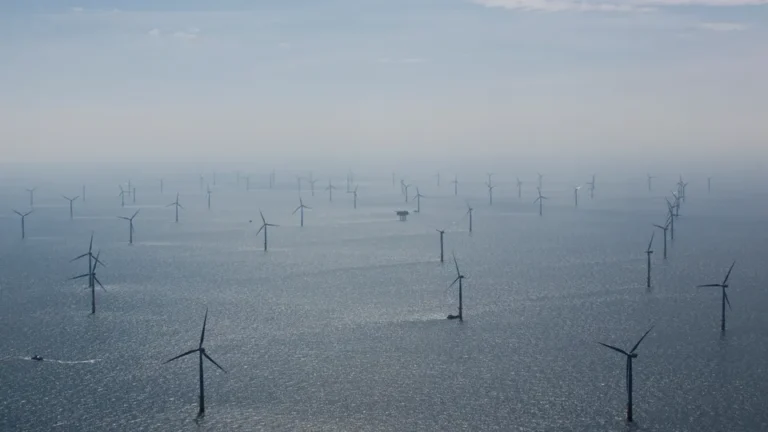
point(673, 209)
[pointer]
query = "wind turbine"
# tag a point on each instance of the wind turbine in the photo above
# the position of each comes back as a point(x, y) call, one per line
point(93, 261)
point(90, 256)
point(540, 200)
point(92, 281)
point(122, 196)
point(405, 189)
point(709, 184)
point(469, 212)
point(330, 188)
point(264, 227)
point(209, 191)
point(459, 279)
point(725, 300)
point(455, 185)
point(301, 208)
point(201, 181)
point(201, 351)
point(489, 177)
point(630, 355)
point(664, 228)
point(670, 209)
point(576, 195)
point(519, 188)
point(442, 233)
point(32, 196)
point(592, 187)
point(83, 193)
point(312, 183)
point(247, 183)
point(354, 193)
point(650, 177)
point(490, 189)
point(133, 195)
point(438, 179)
point(161, 186)
point(130, 221)
point(71, 201)
point(418, 197)
point(23, 217)
point(649, 252)
point(541, 177)
point(177, 205)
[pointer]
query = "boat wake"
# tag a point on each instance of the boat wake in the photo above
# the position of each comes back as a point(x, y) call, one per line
point(52, 360)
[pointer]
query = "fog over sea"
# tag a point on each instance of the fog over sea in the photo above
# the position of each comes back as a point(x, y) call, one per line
point(341, 325)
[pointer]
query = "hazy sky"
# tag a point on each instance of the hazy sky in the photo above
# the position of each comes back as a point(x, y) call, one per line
point(259, 79)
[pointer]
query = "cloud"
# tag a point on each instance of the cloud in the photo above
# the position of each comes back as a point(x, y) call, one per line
point(608, 5)
point(722, 26)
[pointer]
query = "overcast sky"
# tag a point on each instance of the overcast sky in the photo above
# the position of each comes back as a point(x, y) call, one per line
point(236, 79)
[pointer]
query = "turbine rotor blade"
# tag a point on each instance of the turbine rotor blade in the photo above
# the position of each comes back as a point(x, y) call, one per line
point(709, 285)
point(614, 348)
point(727, 301)
point(202, 334)
point(260, 229)
point(454, 282)
point(182, 355)
point(725, 282)
point(641, 339)
point(214, 362)
point(80, 277)
point(97, 281)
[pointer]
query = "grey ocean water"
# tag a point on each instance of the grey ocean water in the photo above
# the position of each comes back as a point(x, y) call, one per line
point(341, 325)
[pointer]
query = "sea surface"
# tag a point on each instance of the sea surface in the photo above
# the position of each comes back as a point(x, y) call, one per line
point(341, 325)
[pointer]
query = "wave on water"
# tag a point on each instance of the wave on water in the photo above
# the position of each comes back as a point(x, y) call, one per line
point(52, 360)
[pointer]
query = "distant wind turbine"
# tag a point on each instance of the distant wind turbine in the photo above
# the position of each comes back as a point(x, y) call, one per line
point(459, 279)
point(133, 195)
point(23, 217)
point(405, 189)
point(83, 193)
point(161, 186)
point(330, 188)
point(576, 195)
point(438, 178)
point(71, 201)
point(540, 199)
point(201, 351)
point(418, 197)
point(490, 190)
point(130, 221)
point(591, 185)
point(312, 184)
point(671, 216)
point(630, 355)
point(301, 208)
point(177, 206)
point(201, 181)
point(725, 300)
point(122, 196)
point(93, 261)
point(264, 227)
point(209, 192)
point(664, 228)
point(519, 188)
point(469, 212)
point(442, 233)
point(354, 193)
point(541, 177)
point(709, 184)
point(32, 196)
point(650, 177)
point(649, 252)
point(455, 185)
